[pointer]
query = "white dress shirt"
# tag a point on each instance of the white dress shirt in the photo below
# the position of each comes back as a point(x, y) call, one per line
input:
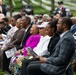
point(10, 33)
point(42, 47)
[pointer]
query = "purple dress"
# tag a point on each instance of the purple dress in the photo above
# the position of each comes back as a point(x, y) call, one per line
point(32, 41)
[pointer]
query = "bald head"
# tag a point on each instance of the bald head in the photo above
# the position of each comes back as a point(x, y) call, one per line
point(1, 16)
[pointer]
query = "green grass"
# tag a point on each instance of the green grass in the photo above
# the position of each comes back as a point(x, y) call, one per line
point(74, 13)
point(2, 73)
point(74, 73)
point(37, 9)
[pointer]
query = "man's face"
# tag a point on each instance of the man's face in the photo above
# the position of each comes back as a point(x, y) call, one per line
point(60, 26)
point(13, 21)
point(49, 30)
point(60, 5)
point(24, 22)
point(18, 23)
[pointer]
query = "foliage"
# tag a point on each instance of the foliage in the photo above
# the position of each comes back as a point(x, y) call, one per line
point(74, 73)
point(37, 9)
point(2, 73)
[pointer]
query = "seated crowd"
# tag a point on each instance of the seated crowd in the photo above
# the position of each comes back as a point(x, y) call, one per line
point(52, 38)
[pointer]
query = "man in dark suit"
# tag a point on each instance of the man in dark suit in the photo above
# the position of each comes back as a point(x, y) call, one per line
point(56, 64)
point(26, 24)
point(2, 8)
point(51, 31)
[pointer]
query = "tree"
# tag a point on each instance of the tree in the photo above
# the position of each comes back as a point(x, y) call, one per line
point(11, 7)
point(40, 3)
point(52, 5)
point(27, 1)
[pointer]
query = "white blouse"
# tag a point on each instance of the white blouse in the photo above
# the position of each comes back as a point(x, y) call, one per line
point(42, 47)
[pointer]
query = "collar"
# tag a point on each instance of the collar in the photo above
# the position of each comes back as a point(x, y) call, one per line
point(27, 28)
point(63, 34)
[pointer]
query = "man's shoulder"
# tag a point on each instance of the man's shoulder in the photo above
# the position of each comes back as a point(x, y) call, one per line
point(69, 36)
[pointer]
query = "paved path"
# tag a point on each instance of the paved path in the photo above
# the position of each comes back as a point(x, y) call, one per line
point(69, 5)
point(14, 13)
point(43, 5)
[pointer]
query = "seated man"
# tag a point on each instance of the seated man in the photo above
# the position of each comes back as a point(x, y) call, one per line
point(51, 31)
point(56, 64)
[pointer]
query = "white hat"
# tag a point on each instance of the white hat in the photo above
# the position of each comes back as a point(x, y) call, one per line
point(43, 25)
point(46, 15)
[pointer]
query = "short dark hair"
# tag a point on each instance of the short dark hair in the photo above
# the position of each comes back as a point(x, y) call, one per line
point(17, 16)
point(28, 20)
point(5, 19)
point(67, 21)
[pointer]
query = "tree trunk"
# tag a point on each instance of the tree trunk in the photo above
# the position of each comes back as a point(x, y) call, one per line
point(40, 3)
point(27, 1)
point(11, 7)
point(52, 6)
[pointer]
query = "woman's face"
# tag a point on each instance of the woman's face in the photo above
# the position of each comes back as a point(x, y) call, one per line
point(18, 23)
point(13, 22)
point(49, 30)
point(34, 30)
point(42, 31)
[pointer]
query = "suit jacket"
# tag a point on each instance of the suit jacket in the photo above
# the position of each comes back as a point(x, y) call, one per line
point(17, 37)
point(56, 64)
point(25, 37)
point(73, 28)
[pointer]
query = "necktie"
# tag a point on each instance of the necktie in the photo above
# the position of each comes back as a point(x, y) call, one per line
point(23, 38)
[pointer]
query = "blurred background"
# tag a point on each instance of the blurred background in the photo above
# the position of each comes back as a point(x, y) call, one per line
point(38, 6)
